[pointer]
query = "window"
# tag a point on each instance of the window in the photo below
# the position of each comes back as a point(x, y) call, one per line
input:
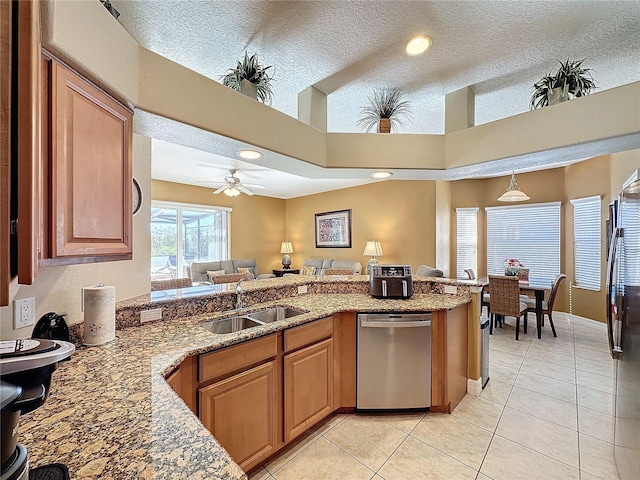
point(530, 233)
point(467, 240)
point(181, 234)
point(586, 242)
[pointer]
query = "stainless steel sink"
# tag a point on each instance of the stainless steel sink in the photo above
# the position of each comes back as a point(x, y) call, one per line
point(230, 325)
point(274, 314)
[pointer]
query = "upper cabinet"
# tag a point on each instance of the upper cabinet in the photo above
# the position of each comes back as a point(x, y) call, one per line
point(87, 167)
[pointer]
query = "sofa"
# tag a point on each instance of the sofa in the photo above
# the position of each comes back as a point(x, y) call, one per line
point(318, 266)
point(226, 271)
point(426, 271)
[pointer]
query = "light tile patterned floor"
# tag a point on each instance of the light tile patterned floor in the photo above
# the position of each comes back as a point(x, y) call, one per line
point(545, 414)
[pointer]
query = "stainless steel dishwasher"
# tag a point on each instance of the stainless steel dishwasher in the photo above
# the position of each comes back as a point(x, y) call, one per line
point(394, 361)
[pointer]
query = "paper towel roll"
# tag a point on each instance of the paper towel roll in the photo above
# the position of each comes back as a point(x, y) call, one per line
point(99, 314)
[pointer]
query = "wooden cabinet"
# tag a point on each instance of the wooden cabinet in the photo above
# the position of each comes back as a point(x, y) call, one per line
point(449, 358)
point(240, 412)
point(308, 387)
point(240, 398)
point(87, 210)
point(20, 137)
point(308, 376)
point(183, 381)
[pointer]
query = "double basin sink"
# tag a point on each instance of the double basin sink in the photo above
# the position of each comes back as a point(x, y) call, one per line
point(250, 320)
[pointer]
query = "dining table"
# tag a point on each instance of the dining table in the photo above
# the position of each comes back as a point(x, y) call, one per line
point(535, 285)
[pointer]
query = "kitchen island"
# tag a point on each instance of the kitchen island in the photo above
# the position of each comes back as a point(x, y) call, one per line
point(112, 415)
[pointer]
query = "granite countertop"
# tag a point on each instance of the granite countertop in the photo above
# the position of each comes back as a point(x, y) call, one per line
point(111, 414)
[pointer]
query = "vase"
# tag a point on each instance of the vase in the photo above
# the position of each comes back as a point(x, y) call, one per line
point(558, 95)
point(384, 125)
point(249, 89)
point(511, 271)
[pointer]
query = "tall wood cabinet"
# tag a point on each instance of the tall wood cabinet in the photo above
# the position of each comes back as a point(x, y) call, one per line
point(87, 208)
point(20, 133)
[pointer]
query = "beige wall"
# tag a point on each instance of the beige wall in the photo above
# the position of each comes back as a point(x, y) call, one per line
point(586, 179)
point(542, 186)
point(257, 223)
point(399, 214)
point(57, 289)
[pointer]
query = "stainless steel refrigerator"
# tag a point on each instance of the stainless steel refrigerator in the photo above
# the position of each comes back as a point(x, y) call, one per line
point(623, 324)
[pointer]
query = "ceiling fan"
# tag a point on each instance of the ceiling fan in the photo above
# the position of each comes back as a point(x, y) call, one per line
point(233, 186)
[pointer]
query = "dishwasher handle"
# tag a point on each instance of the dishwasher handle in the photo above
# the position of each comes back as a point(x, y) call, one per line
point(406, 324)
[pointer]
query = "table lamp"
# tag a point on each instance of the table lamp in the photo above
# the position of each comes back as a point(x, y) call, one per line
point(373, 249)
point(286, 248)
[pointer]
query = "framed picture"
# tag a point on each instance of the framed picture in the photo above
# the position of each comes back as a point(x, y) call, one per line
point(333, 229)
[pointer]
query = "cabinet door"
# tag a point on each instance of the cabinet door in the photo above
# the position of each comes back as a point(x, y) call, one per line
point(308, 387)
point(240, 412)
point(91, 170)
point(175, 381)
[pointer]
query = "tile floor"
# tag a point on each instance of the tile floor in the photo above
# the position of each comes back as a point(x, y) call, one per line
point(545, 414)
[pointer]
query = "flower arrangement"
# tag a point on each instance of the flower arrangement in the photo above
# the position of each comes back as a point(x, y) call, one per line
point(512, 266)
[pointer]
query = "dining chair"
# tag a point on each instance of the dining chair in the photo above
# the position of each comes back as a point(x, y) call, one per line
point(505, 301)
point(547, 306)
point(485, 297)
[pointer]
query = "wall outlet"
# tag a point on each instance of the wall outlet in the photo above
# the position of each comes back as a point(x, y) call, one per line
point(302, 289)
point(24, 312)
point(150, 315)
point(451, 289)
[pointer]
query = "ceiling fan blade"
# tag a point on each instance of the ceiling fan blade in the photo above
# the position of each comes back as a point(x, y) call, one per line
point(244, 190)
point(210, 183)
point(253, 185)
point(221, 189)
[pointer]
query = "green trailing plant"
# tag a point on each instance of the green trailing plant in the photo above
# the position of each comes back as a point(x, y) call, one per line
point(250, 69)
point(384, 103)
point(571, 77)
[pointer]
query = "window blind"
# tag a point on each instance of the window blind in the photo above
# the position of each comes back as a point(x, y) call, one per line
point(530, 233)
point(587, 242)
point(467, 240)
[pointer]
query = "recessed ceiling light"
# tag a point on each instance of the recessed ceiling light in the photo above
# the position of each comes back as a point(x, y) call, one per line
point(417, 45)
point(379, 175)
point(249, 154)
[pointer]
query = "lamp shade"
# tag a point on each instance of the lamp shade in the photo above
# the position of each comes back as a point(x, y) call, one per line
point(513, 194)
point(372, 249)
point(286, 247)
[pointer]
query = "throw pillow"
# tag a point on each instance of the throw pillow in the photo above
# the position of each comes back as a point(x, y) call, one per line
point(308, 270)
point(214, 273)
point(248, 271)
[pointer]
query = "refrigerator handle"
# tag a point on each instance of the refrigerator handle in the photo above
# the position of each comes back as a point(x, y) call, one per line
point(611, 299)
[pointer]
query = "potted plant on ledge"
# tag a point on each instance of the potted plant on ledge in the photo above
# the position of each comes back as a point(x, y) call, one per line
point(251, 79)
point(387, 107)
point(570, 81)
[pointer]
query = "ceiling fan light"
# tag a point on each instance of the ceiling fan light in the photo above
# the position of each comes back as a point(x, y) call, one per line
point(418, 45)
point(249, 154)
point(232, 192)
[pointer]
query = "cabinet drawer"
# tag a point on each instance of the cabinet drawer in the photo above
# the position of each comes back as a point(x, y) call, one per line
point(297, 337)
point(231, 359)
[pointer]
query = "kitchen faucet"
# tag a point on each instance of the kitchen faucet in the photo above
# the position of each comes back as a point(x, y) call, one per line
point(239, 291)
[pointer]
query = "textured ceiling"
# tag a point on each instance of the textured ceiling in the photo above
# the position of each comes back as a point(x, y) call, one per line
point(348, 48)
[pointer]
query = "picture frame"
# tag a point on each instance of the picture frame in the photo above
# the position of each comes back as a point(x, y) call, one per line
point(333, 229)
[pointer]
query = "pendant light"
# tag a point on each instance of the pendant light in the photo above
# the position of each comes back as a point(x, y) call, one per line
point(513, 194)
